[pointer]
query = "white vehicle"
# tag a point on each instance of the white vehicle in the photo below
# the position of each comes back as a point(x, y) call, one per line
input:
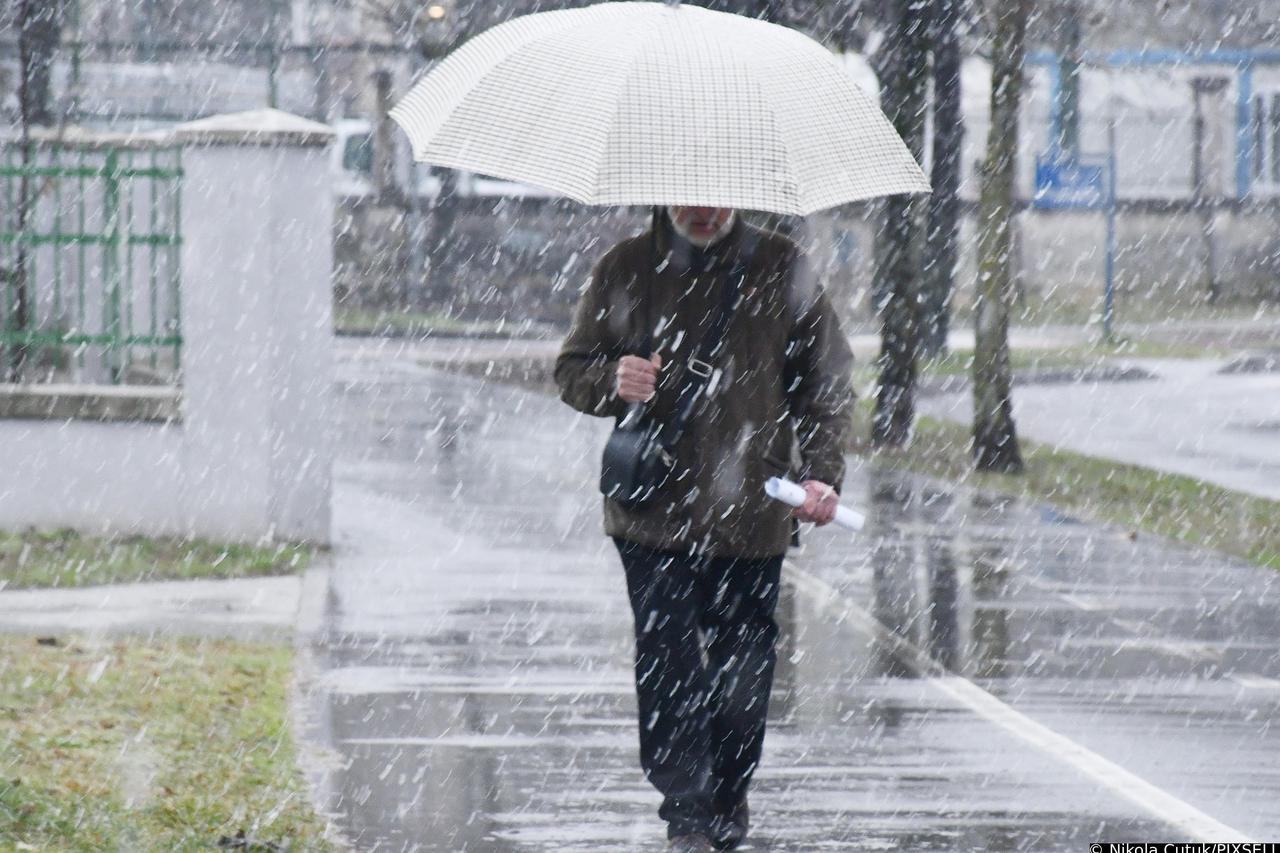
point(480, 186)
point(351, 161)
point(351, 158)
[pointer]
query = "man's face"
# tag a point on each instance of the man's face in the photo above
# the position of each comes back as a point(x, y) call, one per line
point(701, 223)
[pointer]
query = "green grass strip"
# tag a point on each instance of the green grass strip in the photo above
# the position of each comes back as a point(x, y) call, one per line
point(65, 558)
point(148, 745)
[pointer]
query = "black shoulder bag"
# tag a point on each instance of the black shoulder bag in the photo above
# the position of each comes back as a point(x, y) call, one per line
point(639, 457)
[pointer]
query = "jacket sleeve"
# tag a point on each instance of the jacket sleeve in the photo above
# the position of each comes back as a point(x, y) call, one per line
point(585, 370)
point(821, 392)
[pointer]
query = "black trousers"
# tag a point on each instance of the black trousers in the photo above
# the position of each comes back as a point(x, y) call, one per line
point(705, 653)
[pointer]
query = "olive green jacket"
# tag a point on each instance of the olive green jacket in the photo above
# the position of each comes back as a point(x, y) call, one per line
point(746, 427)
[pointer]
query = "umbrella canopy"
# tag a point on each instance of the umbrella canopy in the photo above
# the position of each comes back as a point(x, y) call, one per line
point(631, 103)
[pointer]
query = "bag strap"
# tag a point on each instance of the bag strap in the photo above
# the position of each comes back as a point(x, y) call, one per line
point(700, 367)
point(635, 411)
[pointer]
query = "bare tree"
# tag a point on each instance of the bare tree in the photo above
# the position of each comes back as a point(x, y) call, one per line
point(896, 287)
point(995, 440)
point(1207, 92)
point(1071, 38)
point(383, 150)
point(943, 221)
point(39, 24)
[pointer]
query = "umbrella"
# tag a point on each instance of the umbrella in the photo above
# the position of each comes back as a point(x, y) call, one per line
point(635, 103)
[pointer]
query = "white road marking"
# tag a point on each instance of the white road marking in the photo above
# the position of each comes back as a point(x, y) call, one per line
point(1163, 805)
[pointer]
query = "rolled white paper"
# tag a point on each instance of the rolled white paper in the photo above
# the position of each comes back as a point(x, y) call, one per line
point(792, 494)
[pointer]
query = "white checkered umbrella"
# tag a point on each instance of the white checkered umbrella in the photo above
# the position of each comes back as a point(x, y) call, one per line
point(632, 103)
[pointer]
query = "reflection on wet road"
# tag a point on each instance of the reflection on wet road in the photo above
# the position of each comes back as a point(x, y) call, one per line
point(475, 676)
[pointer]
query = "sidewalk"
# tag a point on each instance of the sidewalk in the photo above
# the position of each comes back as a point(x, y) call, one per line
point(247, 609)
point(864, 341)
point(455, 350)
point(965, 674)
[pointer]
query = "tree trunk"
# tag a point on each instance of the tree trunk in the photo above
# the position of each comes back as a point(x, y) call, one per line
point(39, 32)
point(385, 179)
point(897, 284)
point(39, 24)
point(995, 441)
point(943, 221)
point(442, 288)
point(1071, 33)
point(1207, 93)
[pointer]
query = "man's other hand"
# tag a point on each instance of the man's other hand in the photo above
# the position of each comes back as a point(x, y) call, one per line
point(820, 502)
point(638, 377)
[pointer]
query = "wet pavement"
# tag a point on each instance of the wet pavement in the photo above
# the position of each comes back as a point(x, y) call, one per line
point(1262, 331)
point(244, 608)
point(451, 350)
point(1194, 417)
point(965, 674)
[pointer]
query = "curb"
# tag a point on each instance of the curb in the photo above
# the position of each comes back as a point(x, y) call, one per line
point(429, 334)
point(313, 754)
point(313, 599)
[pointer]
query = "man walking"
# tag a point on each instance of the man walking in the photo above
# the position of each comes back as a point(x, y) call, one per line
point(703, 563)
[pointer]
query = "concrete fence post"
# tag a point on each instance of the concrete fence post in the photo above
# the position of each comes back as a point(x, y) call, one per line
point(256, 308)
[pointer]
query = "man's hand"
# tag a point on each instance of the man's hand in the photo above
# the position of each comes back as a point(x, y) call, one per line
point(820, 502)
point(638, 377)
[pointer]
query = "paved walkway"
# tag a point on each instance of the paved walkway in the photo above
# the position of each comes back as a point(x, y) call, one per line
point(1229, 334)
point(250, 608)
point(965, 674)
point(453, 350)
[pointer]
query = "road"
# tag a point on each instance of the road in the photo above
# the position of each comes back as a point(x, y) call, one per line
point(1189, 418)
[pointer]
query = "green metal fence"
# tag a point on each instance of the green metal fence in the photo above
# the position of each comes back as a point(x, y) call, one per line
point(90, 237)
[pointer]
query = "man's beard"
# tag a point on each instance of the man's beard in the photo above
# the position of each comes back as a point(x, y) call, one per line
point(704, 242)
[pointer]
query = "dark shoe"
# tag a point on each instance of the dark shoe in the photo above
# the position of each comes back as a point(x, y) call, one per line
point(694, 842)
point(731, 829)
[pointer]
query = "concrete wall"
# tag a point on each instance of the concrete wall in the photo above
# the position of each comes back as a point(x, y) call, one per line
point(1159, 253)
point(249, 459)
